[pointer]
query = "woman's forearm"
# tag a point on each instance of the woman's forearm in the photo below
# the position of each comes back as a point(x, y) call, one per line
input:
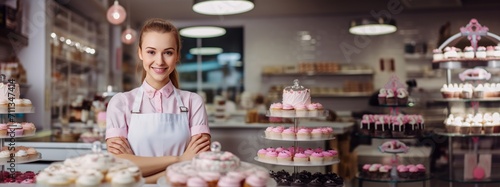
point(150, 166)
point(153, 178)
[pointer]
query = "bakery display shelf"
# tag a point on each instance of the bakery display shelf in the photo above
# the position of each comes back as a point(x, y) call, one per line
point(300, 114)
point(32, 110)
point(465, 63)
point(443, 132)
point(458, 177)
point(395, 151)
point(32, 158)
point(17, 136)
point(398, 105)
point(394, 180)
point(334, 161)
point(495, 99)
point(297, 140)
point(162, 182)
point(338, 73)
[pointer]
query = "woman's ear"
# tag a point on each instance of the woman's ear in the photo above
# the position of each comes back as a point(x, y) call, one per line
point(139, 53)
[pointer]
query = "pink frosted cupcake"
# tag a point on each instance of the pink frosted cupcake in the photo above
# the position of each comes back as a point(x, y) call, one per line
point(300, 110)
point(319, 106)
point(284, 157)
point(328, 157)
point(256, 180)
point(196, 181)
point(276, 109)
point(212, 178)
point(313, 109)
point(413, 172)
point(317, 134)
point(29, 128)
point(268, 131)
point(291, 149)
point(335, 153)
point(308, 151)
point(272, 156)
point(228, 181)
point(288, 134)
point(270, 149)
point(279, 149)
point(303, 134)
point(317, 158)
point(364, 170)
point(288, 111)
point(300, 158)
point(327, 132)
point(261, 154)
point(319, 150)
point(276, 133)
point(19, 132)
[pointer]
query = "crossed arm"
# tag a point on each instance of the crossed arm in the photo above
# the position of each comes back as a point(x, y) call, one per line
point(153, 168)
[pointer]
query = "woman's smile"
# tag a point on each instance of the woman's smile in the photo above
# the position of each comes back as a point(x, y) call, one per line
point(159, 70)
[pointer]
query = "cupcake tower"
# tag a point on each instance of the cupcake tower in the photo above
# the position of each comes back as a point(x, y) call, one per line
point(394, 93)
point(297, 156)
point(392, 126)
point(468, 91)
point(453, 53)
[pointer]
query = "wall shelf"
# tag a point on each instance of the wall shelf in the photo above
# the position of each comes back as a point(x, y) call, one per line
point(9, 37)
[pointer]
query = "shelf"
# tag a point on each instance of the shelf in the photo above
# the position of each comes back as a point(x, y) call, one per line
point(32, 158)
point(458, 177)
point(296, 140)
point(392, 137)
point(12, 39)
point(443, 132)
point(465, 63)
point(340, 73)
point(398, 151)
point(397, 106)
point(74, 62)
point(335, 161)
point(2, 111)
point(392, 180)
point(344, 94)
point(496, 99)
point(17, 136)
point(294, 114)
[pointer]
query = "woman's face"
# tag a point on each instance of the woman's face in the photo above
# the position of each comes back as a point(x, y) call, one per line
point(158, 53)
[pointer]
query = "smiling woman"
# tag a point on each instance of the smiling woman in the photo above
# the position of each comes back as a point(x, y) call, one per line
point(222, 63)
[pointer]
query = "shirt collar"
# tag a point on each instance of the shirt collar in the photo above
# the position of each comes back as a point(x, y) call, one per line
point(152, 92)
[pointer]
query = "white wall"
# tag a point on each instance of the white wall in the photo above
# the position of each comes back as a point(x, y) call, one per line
point(273, 41)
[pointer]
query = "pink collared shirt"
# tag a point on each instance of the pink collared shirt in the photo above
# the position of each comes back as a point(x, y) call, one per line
point(154, 101)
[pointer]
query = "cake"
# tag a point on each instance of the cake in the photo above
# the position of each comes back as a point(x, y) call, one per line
point(216, 160)
point(393, 146)
point(296, 95)
point(497, 51)
point(382, 96)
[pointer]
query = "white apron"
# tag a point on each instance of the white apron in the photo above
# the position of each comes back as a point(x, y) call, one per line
point(158, 134)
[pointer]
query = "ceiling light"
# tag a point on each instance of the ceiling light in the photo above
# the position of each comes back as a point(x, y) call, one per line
point(205, 51)
point(372, 26)
point(222, 7)
point(202, 32)
point(116, 14)
point(129, 36)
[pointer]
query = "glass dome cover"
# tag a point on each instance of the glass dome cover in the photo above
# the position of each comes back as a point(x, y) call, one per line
point(295, 87)
point(216, 160)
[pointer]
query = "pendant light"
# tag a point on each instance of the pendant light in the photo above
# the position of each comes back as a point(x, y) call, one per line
point(372, 26)
point(222, 7)
point(202, 32)
point(129, 35)
point(116, 14)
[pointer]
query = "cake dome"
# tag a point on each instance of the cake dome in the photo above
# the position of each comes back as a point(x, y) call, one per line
point(215, 160)
point(296, 95)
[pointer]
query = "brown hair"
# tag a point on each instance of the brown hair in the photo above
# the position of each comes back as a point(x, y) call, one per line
point(162, 26)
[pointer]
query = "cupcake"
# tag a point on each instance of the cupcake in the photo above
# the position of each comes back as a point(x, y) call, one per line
point(26, 106)
point(313, 109)
point(479, 92)
point(123, 178)
point(28, 128)
point(288, 111)
point(437, 55)
point(212, 178)
point(58, 181)
point(421, 170)
point(4, 156)
point(467, 92)
point(402, 96)
point(256, 181)
point(300, 110)
point(481, 52)
point(468, 52)
point(3, 129)
point(300, 158)
point(279, 149)
point(228, 181)
point(446, 92)
point(335, 153)
point(327, 132)
point(488, 128)
point(382, 95)
point(317, 134)
point(284, 157)
point(327, 156)
point(490, 52)
point(398, 129)
point(309, 151)
point(403, 172)
point(316, 158)
point(288, 134)
point(275, 109)
point(272, 156)
point(303, 134)
point(497, 51)
point(89, 180)
point(413, 170)
point(390, 99)
point(276, 133)
point(383, 173)
point(196, 182)
point(364, 170)
point(373, 170)
point(18, 105)
point(476, 128)
point(261, 154)
point(450, 52)
point(268, 131)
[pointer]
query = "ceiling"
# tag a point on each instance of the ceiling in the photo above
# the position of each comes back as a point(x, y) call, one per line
point(140, 10)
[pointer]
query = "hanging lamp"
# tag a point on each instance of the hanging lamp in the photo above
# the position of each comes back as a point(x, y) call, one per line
point(202, 32)
point(222, 7)
point(116, 14)
point(372, 26)
point(129, 35)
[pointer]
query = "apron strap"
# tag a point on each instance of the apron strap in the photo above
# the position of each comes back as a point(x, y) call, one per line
point(136, 108)
point(179, 102)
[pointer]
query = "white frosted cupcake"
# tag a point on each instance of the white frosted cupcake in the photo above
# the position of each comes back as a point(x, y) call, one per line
point(4, 156)
point(437, 55)
point(469, 52)
point(268, 131)
point(89, 180)
point(21, 155)
point(123, 179)
point(58, 181)
point(481, 52)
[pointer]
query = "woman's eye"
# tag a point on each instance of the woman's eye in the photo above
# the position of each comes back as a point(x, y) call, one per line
point(169, 53)
point(151, 52)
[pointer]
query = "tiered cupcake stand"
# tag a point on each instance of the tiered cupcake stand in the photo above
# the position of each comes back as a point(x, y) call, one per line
point(394, 179)
point(296, 119)
point(11, 137)
point(474, 32)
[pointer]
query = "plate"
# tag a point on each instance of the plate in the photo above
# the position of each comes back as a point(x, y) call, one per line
point(395, 151)
point(138, 184)
point(26, 160)
point(297, 140)
point(162, 182)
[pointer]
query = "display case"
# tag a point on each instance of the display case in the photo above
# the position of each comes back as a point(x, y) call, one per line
point(477, 166)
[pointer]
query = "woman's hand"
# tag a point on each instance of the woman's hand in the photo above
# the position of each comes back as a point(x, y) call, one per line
point(198, 143)
point(119, 145)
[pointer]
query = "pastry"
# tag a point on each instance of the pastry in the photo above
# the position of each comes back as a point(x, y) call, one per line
point(468, 52)
point(481, 52)
point(316, 158)
point(437, 55)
